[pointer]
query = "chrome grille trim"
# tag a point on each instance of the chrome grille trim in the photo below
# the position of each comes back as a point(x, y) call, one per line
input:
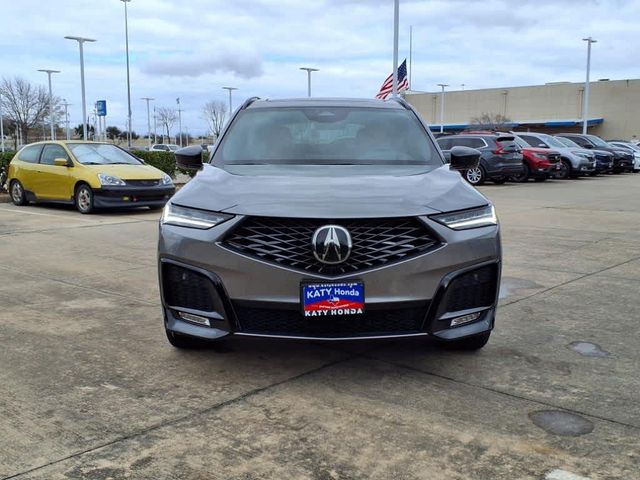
point(287, 242)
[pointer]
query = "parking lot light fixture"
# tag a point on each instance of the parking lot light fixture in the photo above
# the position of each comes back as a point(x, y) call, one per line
point(81, 41)
point(309, 70)
point(126, 39)
point(231, 89)
point(148, 99)
point(585, 99)
point(442, 85)
point(52, 116)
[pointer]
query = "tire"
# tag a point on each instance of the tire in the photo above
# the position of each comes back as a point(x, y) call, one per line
point(540, 179)
point(469, 344)
point(524, 176)
point(499, 180)
point(84, 199)
point(18, 197)
point(565, 172)
point(182, 341)
point(593, 174)
point(475, 176)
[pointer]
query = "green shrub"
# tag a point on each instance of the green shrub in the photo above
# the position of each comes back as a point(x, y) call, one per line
point(165, 161)
point(5, 158)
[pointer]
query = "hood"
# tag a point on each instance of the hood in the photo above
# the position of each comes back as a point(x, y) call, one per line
point(329, 196)
point(128, 172)
point(599, 152)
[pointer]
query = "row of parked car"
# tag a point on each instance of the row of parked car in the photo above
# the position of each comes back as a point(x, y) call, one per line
point(520, 156)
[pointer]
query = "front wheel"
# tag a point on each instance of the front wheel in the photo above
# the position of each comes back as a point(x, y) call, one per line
point(84, 199)
point(475, 176)
point(18, 196)
point(565, 171)
point(469, 344)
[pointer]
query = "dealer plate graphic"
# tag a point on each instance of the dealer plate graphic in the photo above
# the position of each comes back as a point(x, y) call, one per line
point(331, 299)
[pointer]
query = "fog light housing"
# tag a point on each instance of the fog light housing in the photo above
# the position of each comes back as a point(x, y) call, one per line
point(471, 317)
point(190, 317)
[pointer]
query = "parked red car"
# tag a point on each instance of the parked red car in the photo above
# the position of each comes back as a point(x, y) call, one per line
point(539, 163)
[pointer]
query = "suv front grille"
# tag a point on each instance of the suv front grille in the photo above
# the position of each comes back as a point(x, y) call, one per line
point(553, 157)
point(291, 323)
point(143, 183)
point(287, 242)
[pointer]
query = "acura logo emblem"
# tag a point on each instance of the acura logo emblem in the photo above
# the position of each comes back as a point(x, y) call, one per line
point(331, 244)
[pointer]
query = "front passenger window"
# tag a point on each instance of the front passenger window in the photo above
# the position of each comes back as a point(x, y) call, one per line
point(51, 152)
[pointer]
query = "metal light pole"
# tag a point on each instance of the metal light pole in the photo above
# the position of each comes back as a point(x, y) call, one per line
point(231, 89)
point(52, 116)
point(396, 21)
point(126, 38)
point(148, 99)
point(155, 126)
point(179, 119)
point(1, 127)
point(309, 70)
point(442, 106)
point(66, 117)
point(410, 54)
point(585, 100)
point(81, 41)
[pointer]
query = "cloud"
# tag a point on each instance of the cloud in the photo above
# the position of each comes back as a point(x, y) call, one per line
point(195, 65)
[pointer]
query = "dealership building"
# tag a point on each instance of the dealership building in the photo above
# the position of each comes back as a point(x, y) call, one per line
point(614, 107)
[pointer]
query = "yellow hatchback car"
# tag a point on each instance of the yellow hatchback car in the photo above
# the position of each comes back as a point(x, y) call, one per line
point(88, 174)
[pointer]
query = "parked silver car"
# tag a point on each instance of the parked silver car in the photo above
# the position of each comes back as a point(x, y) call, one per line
point(329, 219)
point(576, 161)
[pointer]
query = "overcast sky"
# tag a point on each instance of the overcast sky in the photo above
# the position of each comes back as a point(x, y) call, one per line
point(190, 49)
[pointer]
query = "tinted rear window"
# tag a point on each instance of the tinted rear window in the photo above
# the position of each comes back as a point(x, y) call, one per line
point(30, 153)
point(326, 136)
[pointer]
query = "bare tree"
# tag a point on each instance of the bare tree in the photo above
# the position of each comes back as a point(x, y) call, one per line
point(215, 113)
point(167, 117)
point(491, 121)
point(24, 103)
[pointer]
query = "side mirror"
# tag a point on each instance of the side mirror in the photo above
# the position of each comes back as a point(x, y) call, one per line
point(464, 158)
point(62, 162)
point(189, 158)
point(542, 145)
point(588, 145)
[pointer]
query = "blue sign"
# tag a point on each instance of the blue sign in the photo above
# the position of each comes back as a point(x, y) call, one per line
point(101, 108)
point(330, 299)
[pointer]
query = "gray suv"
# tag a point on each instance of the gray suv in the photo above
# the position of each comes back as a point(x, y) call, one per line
point(575, 161)
point(501, 157)
point(328, 219)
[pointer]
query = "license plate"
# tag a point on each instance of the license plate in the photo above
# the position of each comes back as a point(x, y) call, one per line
point(332, 299)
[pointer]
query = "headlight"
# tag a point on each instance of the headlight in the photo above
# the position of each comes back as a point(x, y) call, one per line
point(191, 217)
point(166, 180)
point(465, 219)
point(109, 179)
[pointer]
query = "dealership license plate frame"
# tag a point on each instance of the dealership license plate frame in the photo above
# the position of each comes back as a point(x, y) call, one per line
point(314, 286)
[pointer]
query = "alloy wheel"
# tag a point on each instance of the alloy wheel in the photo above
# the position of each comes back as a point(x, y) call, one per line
point(474, 175)
point(17, 193)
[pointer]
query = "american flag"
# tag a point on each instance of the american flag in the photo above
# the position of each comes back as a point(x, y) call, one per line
point(403, 82)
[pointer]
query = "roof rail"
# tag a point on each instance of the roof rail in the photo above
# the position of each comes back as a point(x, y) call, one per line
point(248, 102)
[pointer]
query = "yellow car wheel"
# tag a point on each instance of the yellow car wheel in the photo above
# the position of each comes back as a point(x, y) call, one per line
point(18, 196)
point(84, 199)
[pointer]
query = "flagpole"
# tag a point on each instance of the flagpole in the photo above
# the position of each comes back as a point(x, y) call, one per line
point(410, 53)
point(396, 21)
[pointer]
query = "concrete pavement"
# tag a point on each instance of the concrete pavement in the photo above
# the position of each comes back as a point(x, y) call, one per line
point(91, 388)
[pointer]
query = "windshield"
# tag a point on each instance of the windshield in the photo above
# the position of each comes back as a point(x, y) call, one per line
point(520, 142)
point(551, 141)
point(101, 154)
point(567, 142)
point(327, 136)
point(598, 141)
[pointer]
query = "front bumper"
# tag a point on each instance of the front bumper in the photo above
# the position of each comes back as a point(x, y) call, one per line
point(256, 298)
point(128, 197)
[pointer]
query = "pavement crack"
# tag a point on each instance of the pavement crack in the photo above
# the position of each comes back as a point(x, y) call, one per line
point(500, 392)
point(582, 276)
point(191, 415)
